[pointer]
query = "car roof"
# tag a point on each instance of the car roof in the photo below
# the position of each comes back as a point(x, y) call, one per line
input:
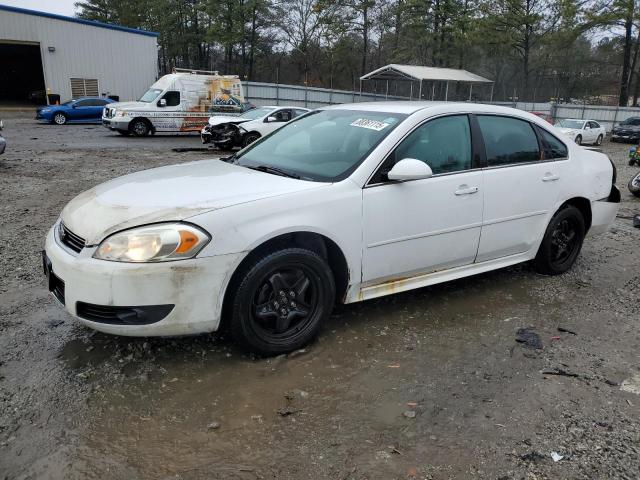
point(283, 106)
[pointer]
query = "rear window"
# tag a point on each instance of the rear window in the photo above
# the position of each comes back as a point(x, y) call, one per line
point(553, 148)
point(508, 140)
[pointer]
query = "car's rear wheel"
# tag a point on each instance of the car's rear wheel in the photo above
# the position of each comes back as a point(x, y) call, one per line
point(561, 243)
point(579, 139)
point(60, 118)
point(634, 185)
point(281, 301)
point(249, 138)
point(139, 127)
point(599, 140)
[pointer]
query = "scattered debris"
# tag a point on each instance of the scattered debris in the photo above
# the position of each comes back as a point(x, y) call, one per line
point(297, 353)
point(191, 149)
point(213, 426)
point(556, 338)
point(560, 372)
point(409, 413)
point(395, 450)
point(288, 410)
point(257, 418)
point(393, 366)
point(631, 385)
point(566, 330)
point(556, 456)
point(612, 383)
point(528, 338)
point(629, 402)
point(54, 322)
point(532, 457)
point(412, 404)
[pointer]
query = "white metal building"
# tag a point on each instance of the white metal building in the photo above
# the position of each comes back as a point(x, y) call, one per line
point(72, 57)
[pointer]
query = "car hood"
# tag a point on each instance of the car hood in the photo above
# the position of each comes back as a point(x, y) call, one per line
point(129, 105)
point(569, 130)
point(170, 193)
point(220, 119)
point(634, 128)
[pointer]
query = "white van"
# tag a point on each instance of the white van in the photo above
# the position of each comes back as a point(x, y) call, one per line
point(181, 101)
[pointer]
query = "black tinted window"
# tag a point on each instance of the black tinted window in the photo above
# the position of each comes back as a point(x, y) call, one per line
point(508, 140)
point(553, 148)
point(172, 98)
point(82, 103)
point(444, 144)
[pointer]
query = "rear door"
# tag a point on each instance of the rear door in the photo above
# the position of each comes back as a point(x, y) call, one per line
point(526, 168)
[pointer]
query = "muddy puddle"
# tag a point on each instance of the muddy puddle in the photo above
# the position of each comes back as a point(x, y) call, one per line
point(198, 406)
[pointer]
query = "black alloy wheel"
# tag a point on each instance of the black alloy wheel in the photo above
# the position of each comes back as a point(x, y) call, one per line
point(282, 300)
point(249, 138)
point(562, 242)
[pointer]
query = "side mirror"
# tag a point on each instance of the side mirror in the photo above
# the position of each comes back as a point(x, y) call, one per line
point(409, 169)
point(271, 119)
point(162, 102)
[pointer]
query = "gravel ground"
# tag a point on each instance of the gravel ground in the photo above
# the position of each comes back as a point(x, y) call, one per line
point(425, 384)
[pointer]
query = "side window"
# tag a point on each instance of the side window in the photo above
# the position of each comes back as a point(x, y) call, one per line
point(508, 140)
point(553, 148)
point(594, 125)
point(443, 143)
point(282, 115)
point(172, 98)
point(99, 103)
point(82, 103)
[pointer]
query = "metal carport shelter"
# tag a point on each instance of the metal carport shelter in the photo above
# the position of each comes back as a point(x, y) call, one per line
point(416, 73)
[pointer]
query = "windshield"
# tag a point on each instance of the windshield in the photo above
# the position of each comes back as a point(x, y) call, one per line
point(325, 145)
point(257, 113)
point(151, 95)
point(631, 121)
point(577, 124)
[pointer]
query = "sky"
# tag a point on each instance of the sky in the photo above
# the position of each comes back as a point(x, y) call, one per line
point(61, 7)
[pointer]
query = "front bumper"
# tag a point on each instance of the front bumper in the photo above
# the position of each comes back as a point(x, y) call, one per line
point(116, 123)
point(194, 287)
point(628, 136)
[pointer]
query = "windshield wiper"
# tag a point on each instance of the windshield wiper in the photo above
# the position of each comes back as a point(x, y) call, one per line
point(230, 158)
point(274, 171)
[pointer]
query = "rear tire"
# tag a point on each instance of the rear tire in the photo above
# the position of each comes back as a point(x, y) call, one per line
point(561, 243)
point(634, 185)
point(599, 140)
point(60, 118)
point(139, 127)
point(281, 301)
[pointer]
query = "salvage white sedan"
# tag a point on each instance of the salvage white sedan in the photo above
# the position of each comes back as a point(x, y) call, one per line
point(344, 204)
point(582, 131)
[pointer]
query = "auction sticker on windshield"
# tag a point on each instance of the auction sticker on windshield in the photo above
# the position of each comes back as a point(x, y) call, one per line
point(370, 124)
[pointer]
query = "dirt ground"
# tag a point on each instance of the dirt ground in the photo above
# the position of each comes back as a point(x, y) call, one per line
point(427, 384)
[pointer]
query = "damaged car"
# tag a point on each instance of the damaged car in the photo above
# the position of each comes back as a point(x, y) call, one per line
point(344, 204)
point(228, 132)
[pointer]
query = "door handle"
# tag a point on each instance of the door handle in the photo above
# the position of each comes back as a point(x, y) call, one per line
point(550, 177)
point(465, 190)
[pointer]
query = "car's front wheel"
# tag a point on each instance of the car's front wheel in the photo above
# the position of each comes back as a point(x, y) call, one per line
point(249, 138)
point(281, 301)
point(579, 139)
point(561, 243)
point(60, 118)
point(139, 127)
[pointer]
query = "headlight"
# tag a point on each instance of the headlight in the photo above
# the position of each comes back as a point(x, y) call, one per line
point(121, 113)
point(154, 243)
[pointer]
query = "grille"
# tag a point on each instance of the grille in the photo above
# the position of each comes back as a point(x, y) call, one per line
point(70, 239)
point(122, 315)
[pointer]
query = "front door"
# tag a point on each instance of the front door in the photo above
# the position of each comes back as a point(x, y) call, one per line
point(280, 117)
point(421, 226)
point(522, 185)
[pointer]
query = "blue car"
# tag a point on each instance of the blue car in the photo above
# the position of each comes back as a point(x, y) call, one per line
point(79, 110)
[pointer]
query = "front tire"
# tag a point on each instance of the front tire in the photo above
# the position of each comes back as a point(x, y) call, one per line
point(579, 139)
point(139, 127)
point(634, 185)
point(249, 138)
point(561, 243)
point(281, 301)
point(60, 118)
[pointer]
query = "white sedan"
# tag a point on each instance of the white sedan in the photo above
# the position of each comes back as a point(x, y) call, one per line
point(344, 204)
point(227, 132)
point(582, 131)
